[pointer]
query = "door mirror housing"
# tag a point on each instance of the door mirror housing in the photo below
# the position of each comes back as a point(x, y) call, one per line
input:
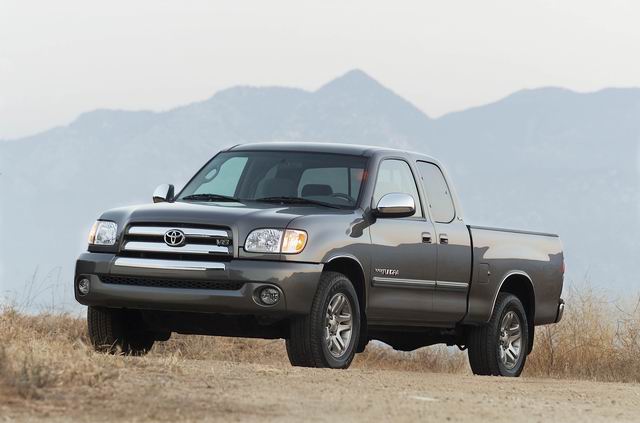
point(164, 193)
point(396, 204)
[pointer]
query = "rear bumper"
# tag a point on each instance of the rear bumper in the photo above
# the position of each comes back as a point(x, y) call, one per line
point(297, 283)
point(560, 312)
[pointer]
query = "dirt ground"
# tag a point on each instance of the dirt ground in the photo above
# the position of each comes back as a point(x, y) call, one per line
point(157, 389)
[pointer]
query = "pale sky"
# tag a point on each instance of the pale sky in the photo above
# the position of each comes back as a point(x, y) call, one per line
point(61, 58)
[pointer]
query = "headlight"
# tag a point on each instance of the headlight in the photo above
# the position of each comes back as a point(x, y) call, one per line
point(103, 233)
point(276, 241)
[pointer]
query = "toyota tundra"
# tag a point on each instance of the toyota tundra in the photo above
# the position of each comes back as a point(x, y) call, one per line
point(326, 246)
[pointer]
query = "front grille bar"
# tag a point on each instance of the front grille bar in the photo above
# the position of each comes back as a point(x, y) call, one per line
point(127, 262)
point(157, 247)
point(189, 232)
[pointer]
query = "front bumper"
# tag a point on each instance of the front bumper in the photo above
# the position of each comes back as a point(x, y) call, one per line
point(297, 283)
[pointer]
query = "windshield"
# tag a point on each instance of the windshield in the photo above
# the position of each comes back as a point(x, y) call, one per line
point(313, 179)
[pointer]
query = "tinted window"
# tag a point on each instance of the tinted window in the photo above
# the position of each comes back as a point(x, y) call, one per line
point(438, 195)
point(258, 175)
point(396, 176)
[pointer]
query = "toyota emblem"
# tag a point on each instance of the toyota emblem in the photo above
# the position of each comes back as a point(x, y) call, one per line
point(174, 238)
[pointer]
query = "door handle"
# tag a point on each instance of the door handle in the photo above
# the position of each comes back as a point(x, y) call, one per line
point(444, 239)
point(426, 237)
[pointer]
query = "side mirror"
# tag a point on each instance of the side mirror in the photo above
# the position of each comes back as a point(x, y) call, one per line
point(396, 204)
point(163, 193)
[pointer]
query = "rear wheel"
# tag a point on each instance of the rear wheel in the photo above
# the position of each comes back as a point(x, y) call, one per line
point(499, 347)
point(328, 336)
point(118, 331)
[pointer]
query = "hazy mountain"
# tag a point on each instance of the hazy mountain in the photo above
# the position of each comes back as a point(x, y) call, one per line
point(547, 159)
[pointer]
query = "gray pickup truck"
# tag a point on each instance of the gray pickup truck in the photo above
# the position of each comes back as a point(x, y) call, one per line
point(326, 246)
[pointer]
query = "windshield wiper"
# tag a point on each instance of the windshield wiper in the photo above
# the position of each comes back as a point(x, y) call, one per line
point(209, 197)
point(296, 200)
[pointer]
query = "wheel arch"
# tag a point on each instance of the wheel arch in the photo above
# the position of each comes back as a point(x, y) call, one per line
point(351, 268)
point(518, 283)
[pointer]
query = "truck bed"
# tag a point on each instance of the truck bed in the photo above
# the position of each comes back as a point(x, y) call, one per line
point(527, 260)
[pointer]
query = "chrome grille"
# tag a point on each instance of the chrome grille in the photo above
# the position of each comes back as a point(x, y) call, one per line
point(148, 241)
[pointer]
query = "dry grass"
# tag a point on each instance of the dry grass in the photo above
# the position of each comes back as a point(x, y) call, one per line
point(376, 356)
point(596, 340)
point(48, 350)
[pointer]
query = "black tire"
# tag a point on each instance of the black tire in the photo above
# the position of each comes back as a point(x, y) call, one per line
point(118, 331)
point(306, 345)
point(484, 343)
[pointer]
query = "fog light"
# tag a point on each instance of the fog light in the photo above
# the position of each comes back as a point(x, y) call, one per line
point(83, 286)
point(269, 296)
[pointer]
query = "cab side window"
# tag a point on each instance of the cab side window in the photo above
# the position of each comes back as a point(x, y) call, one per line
point(438, 194)
point(395, 176)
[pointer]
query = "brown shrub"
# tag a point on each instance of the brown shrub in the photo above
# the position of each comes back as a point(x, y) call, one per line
point(48, 350)
point(596, 340)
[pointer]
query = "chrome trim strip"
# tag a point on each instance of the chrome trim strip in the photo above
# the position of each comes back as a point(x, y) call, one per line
point(452, 285)
point(168, 264)
point(413, 283)
point(514, 231)
point(157, 247)
point(191, 232)
point(513, 272)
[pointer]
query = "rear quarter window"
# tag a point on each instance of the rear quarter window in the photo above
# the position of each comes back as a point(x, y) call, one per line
point(438, 193)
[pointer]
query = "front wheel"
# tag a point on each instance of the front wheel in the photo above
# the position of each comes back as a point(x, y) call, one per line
point(117, 331)
point(499, 347)
point(328, 336)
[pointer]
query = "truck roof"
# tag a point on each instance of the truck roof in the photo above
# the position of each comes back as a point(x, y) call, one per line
point(317, 147)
